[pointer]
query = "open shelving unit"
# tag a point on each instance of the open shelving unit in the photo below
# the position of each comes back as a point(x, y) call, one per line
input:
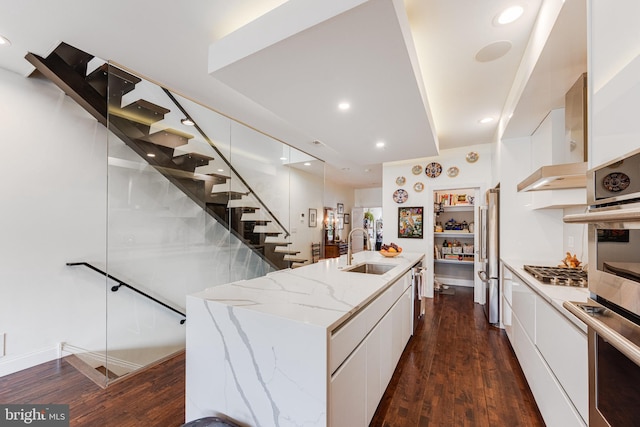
point(457, 267)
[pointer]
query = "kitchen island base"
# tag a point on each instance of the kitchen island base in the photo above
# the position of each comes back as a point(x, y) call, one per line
point(314, 346)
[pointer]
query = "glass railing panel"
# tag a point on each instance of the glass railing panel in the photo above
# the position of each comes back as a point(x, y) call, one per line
point(190, 207)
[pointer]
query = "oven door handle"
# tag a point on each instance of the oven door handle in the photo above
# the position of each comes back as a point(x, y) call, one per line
point(604, 217)
point(585, 312)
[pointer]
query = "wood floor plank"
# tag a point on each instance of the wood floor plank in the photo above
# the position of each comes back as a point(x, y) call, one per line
point(456, 371)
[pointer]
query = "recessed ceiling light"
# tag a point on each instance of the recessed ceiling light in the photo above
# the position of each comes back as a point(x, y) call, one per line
point(283, 158)
point(380, 144)
point(4, 41)
point(220, 170)
point(187, 121)
point(307, 164)
point(344, 106)
point(150, 155)
point(509, 15)
point(486, 120)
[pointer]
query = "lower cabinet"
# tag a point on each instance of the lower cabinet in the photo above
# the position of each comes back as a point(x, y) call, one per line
point(358, 385)
point(551, 350)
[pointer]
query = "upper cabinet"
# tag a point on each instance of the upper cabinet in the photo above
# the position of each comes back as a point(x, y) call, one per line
point(614, 87)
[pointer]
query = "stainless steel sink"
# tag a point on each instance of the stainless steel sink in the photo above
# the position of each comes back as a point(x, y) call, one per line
point(370, 268)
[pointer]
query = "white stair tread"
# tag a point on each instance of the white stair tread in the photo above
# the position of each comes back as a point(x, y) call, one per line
point(244, 202)
point(269, 228)
point(255, 216)
point(213, 169)
point(294, 259)
point(276, 240)
point(285, 250)
point(233, 185)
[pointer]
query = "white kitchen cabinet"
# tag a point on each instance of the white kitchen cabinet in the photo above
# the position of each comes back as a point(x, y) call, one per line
point(564, 348)
point(550, 349)
point(348, 395)
point(359, 383)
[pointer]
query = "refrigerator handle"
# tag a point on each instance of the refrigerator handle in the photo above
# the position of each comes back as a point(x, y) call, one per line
point(482, 235)
point(483, 276)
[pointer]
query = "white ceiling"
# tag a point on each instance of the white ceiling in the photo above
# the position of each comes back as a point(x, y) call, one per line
point(408, 68)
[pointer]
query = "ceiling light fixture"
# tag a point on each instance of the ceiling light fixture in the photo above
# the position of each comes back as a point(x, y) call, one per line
point(344, 106)
point(380, 144)
point(283, 158)
point(486, 120)
point(509, 15)
point(307, 164)
point(220, 170)
point(4, 41)
point(150, 155)
point(187, 121)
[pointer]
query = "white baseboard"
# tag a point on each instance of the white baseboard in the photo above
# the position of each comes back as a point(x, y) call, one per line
point(12, 364)
point(95, 359)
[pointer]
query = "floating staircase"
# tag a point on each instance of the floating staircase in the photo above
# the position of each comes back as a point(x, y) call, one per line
point(141, 125)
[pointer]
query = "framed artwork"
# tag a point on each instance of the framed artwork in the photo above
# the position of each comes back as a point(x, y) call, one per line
point(313, 217)
point(410, 222)
point(347, 218)
point(340, 208)
point(340, 224)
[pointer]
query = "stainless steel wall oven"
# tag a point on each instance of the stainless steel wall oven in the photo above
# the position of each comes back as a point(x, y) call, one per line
point(612, 314)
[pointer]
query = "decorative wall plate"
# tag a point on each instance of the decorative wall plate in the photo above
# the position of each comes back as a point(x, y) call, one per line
point(433, 169)
point(417, 170)
point(452, 172)
point(400, 196)
point(616, 181)
point(400, 180)
point(418, 187)
point(472, 156)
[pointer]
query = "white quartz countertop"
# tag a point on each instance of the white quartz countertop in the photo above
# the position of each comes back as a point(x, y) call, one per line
point(320, 294)
point(554, 294)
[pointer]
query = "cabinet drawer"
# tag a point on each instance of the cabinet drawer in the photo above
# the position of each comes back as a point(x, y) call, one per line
point(524, 306)
point(347, 337)
point(564, 347)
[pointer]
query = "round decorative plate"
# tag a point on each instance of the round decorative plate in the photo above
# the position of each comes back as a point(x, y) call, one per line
point(417, 170)
point(616, 181)
point(418, 186)
point(472, 156)
point(433, 169)
point(452, 172)
point(400, 196)
point(400, 180)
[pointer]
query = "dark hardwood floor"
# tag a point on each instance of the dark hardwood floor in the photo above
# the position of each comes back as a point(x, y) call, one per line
point(456, 371)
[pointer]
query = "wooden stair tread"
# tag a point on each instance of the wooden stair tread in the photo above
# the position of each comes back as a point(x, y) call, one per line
point(140, 111)
point(170, 138)
point(74, 57)
point(122, 84)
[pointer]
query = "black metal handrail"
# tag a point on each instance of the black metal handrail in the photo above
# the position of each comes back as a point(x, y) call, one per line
point(224, 159)
point(126, 285)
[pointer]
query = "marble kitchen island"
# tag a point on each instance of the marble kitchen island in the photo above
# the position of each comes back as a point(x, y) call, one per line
point(311, 346)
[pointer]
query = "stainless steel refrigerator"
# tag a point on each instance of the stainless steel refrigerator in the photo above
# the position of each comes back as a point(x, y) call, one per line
point(489, 252)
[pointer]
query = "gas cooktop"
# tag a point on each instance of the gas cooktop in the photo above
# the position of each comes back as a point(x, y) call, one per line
point(559, 275)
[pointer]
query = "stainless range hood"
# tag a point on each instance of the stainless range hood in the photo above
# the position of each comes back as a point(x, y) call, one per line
point(556, 177)
point(567, 175)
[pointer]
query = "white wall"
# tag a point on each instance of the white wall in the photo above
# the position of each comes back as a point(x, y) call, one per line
point(368, 197)
point(471, 175)
point(525, 234)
